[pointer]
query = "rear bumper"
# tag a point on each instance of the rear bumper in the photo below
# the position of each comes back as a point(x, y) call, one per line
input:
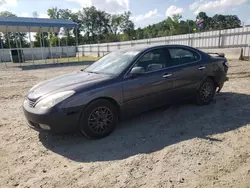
point(221, 83)
point(55, 120)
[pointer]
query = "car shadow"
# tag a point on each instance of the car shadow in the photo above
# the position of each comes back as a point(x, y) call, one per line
point(54, 65)
point(156, 129)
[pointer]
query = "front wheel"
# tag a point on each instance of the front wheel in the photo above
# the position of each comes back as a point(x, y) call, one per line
point(205, 93)
point(99, 119)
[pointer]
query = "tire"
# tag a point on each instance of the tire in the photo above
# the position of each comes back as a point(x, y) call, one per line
point(206, 92)
point(98, 119)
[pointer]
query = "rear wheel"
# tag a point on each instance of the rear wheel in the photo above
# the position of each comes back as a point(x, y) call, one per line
point(205, 93)
point(99, 119)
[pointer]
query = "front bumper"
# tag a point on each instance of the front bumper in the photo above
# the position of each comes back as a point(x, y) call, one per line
point(54, 120)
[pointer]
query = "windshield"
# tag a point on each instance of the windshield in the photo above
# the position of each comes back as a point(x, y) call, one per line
point(113, 63)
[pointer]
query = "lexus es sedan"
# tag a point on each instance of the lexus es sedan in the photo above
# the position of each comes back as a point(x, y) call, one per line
point(124, 83)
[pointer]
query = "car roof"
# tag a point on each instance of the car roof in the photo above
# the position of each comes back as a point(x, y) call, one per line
point(147, 47)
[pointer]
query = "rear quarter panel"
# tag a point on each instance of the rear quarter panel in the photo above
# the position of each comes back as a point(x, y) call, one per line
point(217, 70)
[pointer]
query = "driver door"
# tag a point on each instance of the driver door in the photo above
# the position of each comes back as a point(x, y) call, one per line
point(150, 89)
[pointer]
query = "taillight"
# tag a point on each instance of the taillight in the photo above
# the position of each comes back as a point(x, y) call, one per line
point(226, 64)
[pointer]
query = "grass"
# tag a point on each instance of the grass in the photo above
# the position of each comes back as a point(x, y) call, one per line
point(246, 58)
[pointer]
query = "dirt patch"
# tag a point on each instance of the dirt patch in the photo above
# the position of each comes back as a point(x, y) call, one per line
point(179, 146)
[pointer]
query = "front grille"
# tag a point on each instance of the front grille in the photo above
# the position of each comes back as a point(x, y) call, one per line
point(31, 103)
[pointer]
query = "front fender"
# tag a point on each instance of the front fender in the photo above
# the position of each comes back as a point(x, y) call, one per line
point(113, 91)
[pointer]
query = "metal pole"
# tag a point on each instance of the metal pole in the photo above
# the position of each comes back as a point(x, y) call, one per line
point(51, 55)
point(67, 44)
point(83, 50)
point(2, 54)
point(59, 43)
point(242, 41)
point(56, 45)
point(77, 43)
point(21, 55)
point(1, 48)
point(31, 46)
point(41, 44)
point(17, 48)
point(45, 59)
point(237, 37)
point(248, 52)
point(7, 32)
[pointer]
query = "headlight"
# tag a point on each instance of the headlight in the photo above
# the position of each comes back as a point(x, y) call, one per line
point(52, 100)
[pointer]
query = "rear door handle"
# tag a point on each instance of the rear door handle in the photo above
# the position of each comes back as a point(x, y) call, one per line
point(202, 67)
point(167, 75)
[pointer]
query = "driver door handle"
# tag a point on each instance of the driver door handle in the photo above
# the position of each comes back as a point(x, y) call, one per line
point(167, 75)
point(202, 67)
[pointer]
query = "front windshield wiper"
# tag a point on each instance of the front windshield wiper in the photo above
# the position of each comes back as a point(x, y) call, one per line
point(92, 72)
point(96, 72)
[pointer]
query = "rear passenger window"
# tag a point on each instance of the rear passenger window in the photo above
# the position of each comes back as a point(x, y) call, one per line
point(181, 56)
point(153, 60)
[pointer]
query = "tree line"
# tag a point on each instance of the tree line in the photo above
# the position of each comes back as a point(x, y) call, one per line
point(97, 26)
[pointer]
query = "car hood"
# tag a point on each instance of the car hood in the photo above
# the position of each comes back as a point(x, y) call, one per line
point(66, 82)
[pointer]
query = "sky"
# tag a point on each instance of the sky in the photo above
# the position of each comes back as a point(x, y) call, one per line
point(144, 12)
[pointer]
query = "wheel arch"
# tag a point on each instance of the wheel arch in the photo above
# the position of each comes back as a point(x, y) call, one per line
point(214, 80)
point(109, 99)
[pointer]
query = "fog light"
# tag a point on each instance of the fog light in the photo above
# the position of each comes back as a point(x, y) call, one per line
point(45, 127)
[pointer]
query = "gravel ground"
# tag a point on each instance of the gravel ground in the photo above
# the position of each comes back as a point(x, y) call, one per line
point(178, 146)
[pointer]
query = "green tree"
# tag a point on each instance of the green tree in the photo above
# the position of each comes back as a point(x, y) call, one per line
point(44, 39)
point(53, 13)
point(176, 18)
point(127, 25)
point(99, 26)
point(139, 33)
point(94, 23)
point(219, 21)
point(115, 24)
point(40, 38)
point(225, 21)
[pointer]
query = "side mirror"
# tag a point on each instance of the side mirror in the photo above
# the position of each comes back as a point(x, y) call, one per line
point(137, 71)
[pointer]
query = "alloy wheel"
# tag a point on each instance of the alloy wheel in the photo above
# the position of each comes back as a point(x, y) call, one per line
point(100, 119)
point(206, 91)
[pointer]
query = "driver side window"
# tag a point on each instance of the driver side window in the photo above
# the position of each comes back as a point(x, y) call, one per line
point(152, 61)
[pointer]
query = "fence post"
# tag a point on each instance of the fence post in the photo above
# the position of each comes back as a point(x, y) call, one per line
point(223, 39)
point(98, 50)
point(189, 39)
point(248, 52)
point(1, 53)
point(219, 39)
